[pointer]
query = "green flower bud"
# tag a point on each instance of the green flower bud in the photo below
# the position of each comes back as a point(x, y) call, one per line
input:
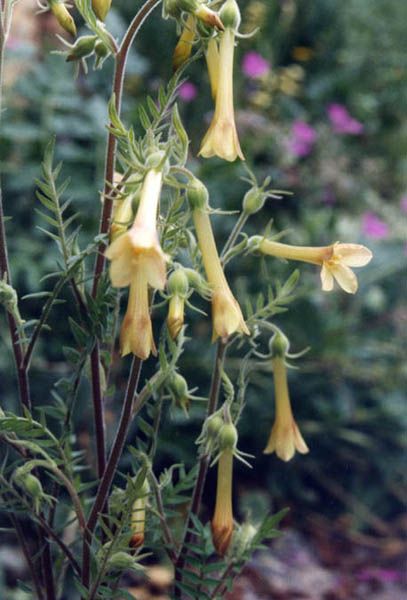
point(178, 385)
point(214, 424)
point(230, 14)
point(178, 283)
point(253, 201)
point(279, 345)
point(84, 46)
point(197, 195)
point(227, 437)
point(196, 280)
point(101, 49)
point(120, 561)
point(8, 297)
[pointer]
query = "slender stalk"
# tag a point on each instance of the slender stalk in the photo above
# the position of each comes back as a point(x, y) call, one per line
point(47, 568)
point(203, 462)
point(240, 223)
point(27, 555)
point(118, 80)
point(108, 475)
point(167, 534)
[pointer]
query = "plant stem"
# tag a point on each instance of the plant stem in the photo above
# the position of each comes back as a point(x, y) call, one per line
point(118, 80)
point(27, 555)
point(108, 475)
point(167, 534)
point(203, 462)
point(240, 223)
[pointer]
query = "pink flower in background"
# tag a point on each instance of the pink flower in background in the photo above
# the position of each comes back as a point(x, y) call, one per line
point(302, 139)
point(254, 65)
point(187, 91)
point(374, 227)
point(342, 121)
point(379, 574)
point(403, 204)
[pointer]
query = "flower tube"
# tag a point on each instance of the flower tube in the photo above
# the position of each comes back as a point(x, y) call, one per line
point(183, 48)
point(101, 8)
point(285, 437)
point(212, 62)
point(63, 16)
point(227, 317)
point(221, 138)
point(138, 517)
point(335, 260)
point(222, 522)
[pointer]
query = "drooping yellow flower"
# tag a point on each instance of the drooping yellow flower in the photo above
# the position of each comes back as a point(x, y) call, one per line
point(63, 16)
point(183, 48)
point(285, 437)
point(335, 260)
point(137, 260)
point(136, 334)
point(221, 138)
point(222, 522)
point(227, 316)
point(178, 287)
point(122, 212)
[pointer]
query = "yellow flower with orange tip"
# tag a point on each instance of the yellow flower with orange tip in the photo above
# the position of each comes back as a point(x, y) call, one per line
point(221, 138)
point(183, 48)
point(138, 517)
point(285, 437)
point(335, 260)
point(63, 16)
point(222, 522)
point(227, 316)
point(138, 261)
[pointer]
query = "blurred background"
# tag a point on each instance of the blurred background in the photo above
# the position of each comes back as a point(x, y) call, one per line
point(321, 108)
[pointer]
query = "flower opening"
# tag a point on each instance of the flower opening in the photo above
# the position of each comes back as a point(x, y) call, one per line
point(285, 437)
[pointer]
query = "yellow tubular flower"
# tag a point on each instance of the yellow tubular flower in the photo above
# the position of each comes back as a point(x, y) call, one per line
point(285, 437)
point(335, 260)
point(136, 334)
point(183, 48)
point(222, 522)
point(63, 16)
point(221, 138)
point(175, 318)
point(212, 62)
point(140, 247)
point(101, 8)
point(227, 316)
point(138, 518)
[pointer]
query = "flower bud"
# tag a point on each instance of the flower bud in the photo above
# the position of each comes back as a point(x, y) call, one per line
point(230, 14)
point(197, 195)
point(214, 424)
point(175, 318)
point(62, 15)
point(84, 46)
point(279, 345)
point(101, 49)
point(8, 297)
point(178, 283)
point(253, 201)
point(227, 437)
point(196, 281)
point(101, 8)
point(120, 561)
point(179, 388)
point(138, 517)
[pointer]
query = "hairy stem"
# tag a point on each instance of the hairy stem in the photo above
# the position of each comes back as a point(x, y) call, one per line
point(203, 462)
point(118, 80)
point(112, 463)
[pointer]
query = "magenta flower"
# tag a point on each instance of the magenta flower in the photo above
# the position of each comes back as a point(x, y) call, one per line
point(187, 91)
point(254, 65)
point(403, 204)
point(302, 139)
point(374, 227)
point(342, 121)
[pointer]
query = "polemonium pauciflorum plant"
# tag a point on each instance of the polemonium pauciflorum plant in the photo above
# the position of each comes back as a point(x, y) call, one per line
point(155, 247)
